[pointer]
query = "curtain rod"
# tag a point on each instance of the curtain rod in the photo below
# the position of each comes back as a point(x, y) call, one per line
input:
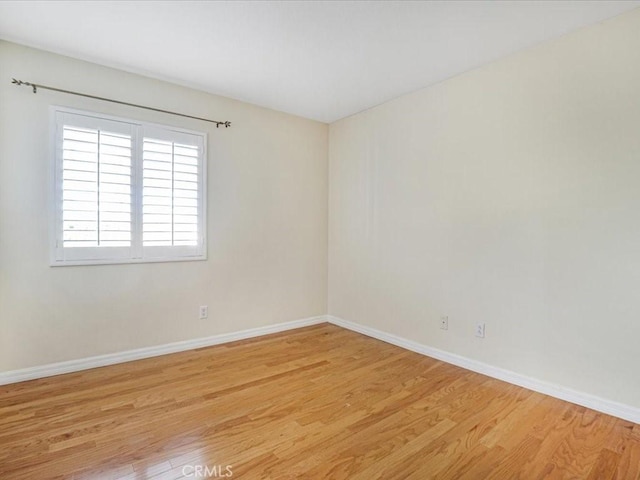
point(35, 87)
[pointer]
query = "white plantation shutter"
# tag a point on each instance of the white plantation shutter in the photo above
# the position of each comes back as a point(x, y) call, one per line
point(94, 187)
point(96, 172)
point(126, 191)
point(172, 193)
point(171, 190)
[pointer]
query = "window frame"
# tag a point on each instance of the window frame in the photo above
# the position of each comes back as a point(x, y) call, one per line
point(136, 253)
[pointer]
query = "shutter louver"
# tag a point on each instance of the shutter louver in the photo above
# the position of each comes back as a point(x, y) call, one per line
point(96, 188)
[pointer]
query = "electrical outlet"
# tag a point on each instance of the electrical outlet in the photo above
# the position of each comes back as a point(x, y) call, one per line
point(444, 323)
point(204, 312)
point(480, 330)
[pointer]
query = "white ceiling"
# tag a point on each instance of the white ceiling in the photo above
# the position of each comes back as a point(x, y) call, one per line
point(321, 60)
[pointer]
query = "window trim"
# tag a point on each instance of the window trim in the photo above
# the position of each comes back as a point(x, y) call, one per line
point(137, 251)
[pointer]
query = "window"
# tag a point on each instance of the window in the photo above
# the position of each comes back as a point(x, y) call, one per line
point(126, 191)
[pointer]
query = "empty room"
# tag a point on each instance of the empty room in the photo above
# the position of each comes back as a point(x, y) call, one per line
point(319, 240)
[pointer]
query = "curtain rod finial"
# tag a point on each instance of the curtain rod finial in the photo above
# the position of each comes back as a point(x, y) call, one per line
point(20, 82)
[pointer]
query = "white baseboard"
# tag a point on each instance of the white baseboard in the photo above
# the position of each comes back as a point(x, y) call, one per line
point(593, 402)
point(49, 370)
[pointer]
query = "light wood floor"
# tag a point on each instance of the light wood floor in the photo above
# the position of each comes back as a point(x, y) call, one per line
point(315, 403)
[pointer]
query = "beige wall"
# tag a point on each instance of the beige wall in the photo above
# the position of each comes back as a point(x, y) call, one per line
point(508, 195)
point(267, 214)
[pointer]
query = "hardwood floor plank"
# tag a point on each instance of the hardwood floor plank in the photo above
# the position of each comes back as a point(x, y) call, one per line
point(580, 449)
point(629, 464)
point(318, 402)
point(605, 466)
point(510, 463)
